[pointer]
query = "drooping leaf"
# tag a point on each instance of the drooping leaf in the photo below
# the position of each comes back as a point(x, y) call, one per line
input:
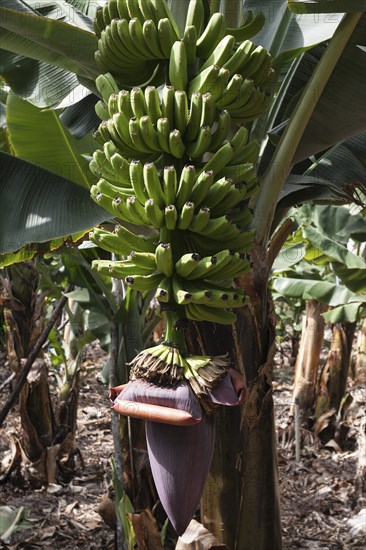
point(332, 249)
point(80, 118)
point(45, 39)
point(39, 137)
point(353, 278)
point(38, 206)
point(326, 6)
point(341, 109)
point(289, 255)
point(347, 313)
point(307, 289)
point(287, 36)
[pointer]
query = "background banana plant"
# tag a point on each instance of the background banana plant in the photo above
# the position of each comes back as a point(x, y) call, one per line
point(320, 84)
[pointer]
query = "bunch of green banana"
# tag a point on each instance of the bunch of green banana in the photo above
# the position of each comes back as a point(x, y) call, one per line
point(172, 159)
point(133, 37)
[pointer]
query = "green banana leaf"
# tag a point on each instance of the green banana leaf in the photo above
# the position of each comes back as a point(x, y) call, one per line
point(325, 292)
point(14, 519)
point(38, 82)
point(49, 40)
point(80, 119)
point(347, 313)
point(38, 206)
point(341, 109)
point(353, 278)
point(39, 137)
point(331, 249)
point(326, 6)
point(287, 36)
point(337, 222)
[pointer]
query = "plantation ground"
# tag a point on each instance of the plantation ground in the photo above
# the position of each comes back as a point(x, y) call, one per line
point(318, 493)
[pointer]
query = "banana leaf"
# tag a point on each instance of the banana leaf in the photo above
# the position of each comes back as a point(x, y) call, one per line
point(324, 291)
point(39, 137)
point(287, 36)
point(326, 6)
point(348, 313)
point(38, 82)
point(38, 206)
point(331, 249)
point(49, 40)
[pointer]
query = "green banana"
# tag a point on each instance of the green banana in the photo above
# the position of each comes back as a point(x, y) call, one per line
point(195, 15)
point(136, 136)
point(163, 131)
point(109, 241)
point(170, 184)
point(201, 186)
point(138, 103)
point(252, 25)
point(231, 91)
point(202, 312)
point(186, 264)
point(171, 216)
point(124, 104)
point(113, 191)
point(149, 134)
point(106, 86)
point(190, 42)
point(240, 58)
point(167, 102)
point(98, 23)
point(208, 110)
point(181, 296)
point(144, 260)
point(180, 111)
point(121, 210)
point(122, 10)
point(220, 228)
point(203, 268)
point(194, 117)
point(154, 214)
point(201, 145)
point(186, 215)
point(120, 269)
point(162, 10)
point(257, 57)
point(135, 242)
point(133, 9)
point(240, 139)
point(235, 195)
point(153, 185)
point(137, 211)
point(166, 36)
point(164, 259)
point(164, 291)
point(153, 104)
point(147, 10)
point(200, 220)
point(144, 282)
point(178, 68)
point(151, 38)
point(205, 81)
point(176, 144)
point(219, 159)
point(211, 36)
point(101, 110)
point(222, 130)
point(185, 186)
point(137, 181)
point(222, 52)
point(247, 153)
point(217, 192)
point(223, 260)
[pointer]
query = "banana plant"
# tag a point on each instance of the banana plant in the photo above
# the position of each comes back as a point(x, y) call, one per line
point(190, 60)
point(324, 241)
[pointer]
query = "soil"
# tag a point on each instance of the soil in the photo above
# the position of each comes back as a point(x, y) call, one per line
point(318, 494)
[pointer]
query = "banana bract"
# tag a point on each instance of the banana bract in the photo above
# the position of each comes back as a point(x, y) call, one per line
point(176, 169)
